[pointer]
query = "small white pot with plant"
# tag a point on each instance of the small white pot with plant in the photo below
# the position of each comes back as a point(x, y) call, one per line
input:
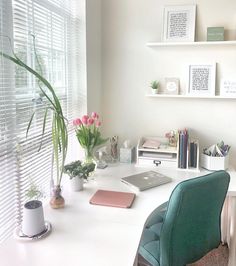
point(33, 217)
point(78, 172)
point(155, 86)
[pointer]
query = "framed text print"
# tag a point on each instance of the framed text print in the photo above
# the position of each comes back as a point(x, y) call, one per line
point(202, 79)
point(228, 88)
point(179, 23)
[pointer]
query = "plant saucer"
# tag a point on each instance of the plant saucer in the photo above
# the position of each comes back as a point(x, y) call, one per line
point(18, 234)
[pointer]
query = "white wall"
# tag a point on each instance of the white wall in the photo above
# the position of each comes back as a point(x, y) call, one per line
point(93, 37)
point(128, 66)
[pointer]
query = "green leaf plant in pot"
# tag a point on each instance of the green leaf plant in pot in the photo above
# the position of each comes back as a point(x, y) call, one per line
point(155, 86)
point(33, 217)
point(59, 134)
point(78, 172)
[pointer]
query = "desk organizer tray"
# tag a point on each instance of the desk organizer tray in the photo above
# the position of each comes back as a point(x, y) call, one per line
point(214, 163)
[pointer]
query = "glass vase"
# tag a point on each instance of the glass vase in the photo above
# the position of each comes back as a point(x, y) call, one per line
point(89, 156)
point(57, 201)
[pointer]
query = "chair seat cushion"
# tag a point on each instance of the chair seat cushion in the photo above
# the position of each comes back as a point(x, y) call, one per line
point(151, 252)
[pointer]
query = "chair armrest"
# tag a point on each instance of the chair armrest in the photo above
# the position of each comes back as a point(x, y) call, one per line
point(157, 216)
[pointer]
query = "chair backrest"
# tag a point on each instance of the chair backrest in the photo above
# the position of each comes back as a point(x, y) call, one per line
point(191, 226)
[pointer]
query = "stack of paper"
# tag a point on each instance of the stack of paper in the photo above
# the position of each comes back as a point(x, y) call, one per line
point(151, 144)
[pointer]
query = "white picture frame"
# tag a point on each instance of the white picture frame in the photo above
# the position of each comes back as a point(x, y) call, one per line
point(171, 86)
point(201, 79)
point(228, 87)
point(179, 23)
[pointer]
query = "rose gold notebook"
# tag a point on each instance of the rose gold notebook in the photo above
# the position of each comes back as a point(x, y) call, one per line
point(113, 198)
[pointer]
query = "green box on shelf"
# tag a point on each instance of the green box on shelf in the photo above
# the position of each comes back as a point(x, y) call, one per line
point(215, 34)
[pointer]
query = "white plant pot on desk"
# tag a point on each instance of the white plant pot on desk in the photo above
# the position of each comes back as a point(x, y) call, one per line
point(33, 218)
point(154, 91)
point(77, 183)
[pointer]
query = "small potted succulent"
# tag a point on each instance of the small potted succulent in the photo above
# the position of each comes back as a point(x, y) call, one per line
point(33, 217)
point(155, 86)
point(78, 172)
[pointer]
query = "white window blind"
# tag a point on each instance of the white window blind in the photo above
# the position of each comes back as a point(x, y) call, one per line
point(55, 26)
point(8, 197)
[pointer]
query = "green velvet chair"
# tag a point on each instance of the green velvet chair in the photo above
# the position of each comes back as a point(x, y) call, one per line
point(188, 226)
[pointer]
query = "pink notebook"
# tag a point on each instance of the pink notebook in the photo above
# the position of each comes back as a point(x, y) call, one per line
point(113, 198)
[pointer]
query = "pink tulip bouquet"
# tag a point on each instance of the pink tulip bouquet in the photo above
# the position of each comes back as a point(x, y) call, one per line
point(88, 134)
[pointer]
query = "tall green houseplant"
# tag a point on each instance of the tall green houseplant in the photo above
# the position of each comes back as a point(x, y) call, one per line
point(59, 132)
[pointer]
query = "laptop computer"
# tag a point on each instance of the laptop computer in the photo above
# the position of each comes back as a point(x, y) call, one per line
point(146, 180)
point(113, 198)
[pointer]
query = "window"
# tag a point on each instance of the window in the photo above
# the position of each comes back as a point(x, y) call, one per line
point(7, 134)
point(55, 25)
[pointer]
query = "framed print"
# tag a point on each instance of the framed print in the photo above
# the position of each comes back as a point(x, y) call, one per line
point(202, 79)
point(228, 87)
point(179, 23)
point(171, 86)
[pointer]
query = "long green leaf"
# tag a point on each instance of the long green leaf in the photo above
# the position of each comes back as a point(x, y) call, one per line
point(42, 79)
point(36, 56)
point(59, 127)
point(29, 125)
point(43, 129)
point(55, 145)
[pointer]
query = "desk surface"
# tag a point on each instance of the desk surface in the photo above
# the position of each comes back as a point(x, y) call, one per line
point(90, 235)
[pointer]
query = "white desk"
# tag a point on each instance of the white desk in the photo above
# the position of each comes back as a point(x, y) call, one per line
point(88, 235)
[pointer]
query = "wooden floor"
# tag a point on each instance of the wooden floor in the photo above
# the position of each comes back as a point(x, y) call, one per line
point(217, 257)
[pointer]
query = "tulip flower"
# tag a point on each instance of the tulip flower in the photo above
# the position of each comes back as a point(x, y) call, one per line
point(87, 131)
point(78, 122)
point(94, 115)
point(85, 119)
point(98, 123)
point(90, 121)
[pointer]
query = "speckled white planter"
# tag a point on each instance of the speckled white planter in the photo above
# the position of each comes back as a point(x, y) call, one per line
point(33, 218)
point(154, 91)
point(77, 183)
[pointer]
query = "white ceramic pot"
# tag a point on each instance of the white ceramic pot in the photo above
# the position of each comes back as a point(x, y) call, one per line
point(33, 218)
point(154, 91)
point(77, 183)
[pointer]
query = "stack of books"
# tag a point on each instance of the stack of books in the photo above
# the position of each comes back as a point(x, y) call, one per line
point(183, 148)
point(188, 151)
point(193, 158)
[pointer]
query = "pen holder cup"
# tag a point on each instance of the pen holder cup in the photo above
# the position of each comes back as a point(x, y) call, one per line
point(214, 163)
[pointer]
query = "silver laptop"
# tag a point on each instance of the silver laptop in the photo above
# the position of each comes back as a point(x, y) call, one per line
point(146, 180)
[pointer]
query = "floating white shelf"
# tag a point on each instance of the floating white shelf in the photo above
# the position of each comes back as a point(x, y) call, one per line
point(189, 96)
point(158, 44)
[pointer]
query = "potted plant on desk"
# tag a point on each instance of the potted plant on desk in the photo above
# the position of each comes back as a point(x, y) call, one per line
point(154, 85)
point(78, 172)
point(58, 134)
point(33, 217)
